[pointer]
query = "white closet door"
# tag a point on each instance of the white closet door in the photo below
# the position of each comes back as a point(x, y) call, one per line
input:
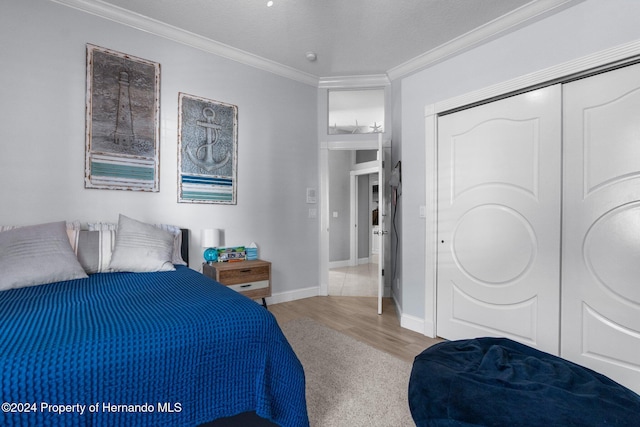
point(499, 188)
point(601, 225)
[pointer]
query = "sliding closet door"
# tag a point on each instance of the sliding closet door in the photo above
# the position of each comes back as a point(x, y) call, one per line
point(601, 225)
point(499, 190)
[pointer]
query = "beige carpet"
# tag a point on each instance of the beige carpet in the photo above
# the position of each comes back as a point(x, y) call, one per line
point(349, 383)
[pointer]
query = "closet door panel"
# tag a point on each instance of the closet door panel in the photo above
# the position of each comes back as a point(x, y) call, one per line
point(601, 224)
point(499, 220)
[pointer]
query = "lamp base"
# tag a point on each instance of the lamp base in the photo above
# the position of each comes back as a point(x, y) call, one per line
point(210, 255)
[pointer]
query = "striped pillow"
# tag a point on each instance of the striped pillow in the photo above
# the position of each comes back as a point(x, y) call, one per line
point(73, 227)
point(94, 249)
point(37, 254)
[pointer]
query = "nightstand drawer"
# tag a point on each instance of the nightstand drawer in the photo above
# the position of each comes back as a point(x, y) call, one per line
point(244, 275)
point(251, 278)
point(251, 286)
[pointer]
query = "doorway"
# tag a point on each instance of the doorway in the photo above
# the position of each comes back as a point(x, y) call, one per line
point(338, 166)
point(358, 276)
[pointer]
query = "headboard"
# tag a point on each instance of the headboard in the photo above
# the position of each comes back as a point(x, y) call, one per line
point(184, 250)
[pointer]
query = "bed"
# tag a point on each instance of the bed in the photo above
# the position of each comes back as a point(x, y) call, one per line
point(499, 382)
point(163, 348)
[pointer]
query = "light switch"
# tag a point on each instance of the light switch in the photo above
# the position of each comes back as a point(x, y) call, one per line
point(335, 214)
point(311, 195)
point(313, 213)
point(423, 211)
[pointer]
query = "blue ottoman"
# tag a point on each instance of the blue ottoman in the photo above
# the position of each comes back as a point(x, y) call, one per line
point(499, 382)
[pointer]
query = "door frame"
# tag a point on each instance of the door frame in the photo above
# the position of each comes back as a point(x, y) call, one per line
point(363, 169)
point(598, 62)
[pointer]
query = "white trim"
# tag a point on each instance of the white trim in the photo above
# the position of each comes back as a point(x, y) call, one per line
point(518, 17)
point(355, 144)
point(353, 219)
point(351, 82)
point(293, 295)
point(407, 321)
point(412, 323)
point(555, 74)
point(356, 171)
point(364, 168)
point(144, 23)
point(323, 253)
point(431, 222)
point(339, 264)
point(564, 70)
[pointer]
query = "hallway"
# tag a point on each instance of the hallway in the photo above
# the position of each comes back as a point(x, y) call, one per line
point(361, 281)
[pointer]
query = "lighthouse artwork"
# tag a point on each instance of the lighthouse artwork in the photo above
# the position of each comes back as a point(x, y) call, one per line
point(208, 140)
point(122, 121)
point(124, 118)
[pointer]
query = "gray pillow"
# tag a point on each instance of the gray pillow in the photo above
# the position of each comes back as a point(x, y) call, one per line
point(175, 230)
point(37, 254)
point(141, 247)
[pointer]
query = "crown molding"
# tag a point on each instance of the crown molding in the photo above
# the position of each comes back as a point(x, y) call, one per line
point(520, 16)
point(473, 38)
point(143, 23)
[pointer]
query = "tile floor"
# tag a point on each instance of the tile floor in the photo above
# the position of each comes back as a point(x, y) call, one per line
point(360, 281)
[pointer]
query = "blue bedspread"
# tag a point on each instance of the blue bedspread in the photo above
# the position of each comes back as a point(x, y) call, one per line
point(499, 382)
point(143, 349)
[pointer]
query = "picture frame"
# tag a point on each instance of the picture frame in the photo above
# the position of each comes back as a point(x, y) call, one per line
point(122, 142)
point(207, 150)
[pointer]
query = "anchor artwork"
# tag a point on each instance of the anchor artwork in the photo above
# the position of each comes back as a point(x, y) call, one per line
point(208, 141)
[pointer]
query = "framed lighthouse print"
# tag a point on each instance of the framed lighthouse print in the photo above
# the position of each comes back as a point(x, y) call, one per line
point(122, 121)
point(207, 150)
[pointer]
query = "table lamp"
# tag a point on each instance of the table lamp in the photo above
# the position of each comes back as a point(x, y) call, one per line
point(210, 239)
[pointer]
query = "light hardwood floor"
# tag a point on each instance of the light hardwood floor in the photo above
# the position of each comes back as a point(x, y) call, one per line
point(358, 318)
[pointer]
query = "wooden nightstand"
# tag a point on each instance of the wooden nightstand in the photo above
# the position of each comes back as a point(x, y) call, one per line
point(250, 278)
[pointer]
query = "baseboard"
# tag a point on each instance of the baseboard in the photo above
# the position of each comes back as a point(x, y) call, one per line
point(413, 323)
point(430, 329)
point(347, 263)
point(294, 295)
point(339, 264)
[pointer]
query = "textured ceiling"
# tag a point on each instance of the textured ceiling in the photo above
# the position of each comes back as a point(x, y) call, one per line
point(350, 37)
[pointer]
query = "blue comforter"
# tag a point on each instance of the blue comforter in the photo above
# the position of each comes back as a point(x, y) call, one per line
point(499, 382)
point(143, 349)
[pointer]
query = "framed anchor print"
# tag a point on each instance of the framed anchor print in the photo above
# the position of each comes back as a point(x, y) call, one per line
point(122, 121)
point(207, 150)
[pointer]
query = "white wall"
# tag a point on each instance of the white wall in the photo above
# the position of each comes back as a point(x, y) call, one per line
point(586, 28)
point(42, 138)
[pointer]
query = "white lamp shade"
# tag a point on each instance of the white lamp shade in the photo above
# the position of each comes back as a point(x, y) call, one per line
point(210, 238)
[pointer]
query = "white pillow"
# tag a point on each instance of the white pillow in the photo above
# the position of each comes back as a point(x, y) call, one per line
point(37, 254)
point(141, 247)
